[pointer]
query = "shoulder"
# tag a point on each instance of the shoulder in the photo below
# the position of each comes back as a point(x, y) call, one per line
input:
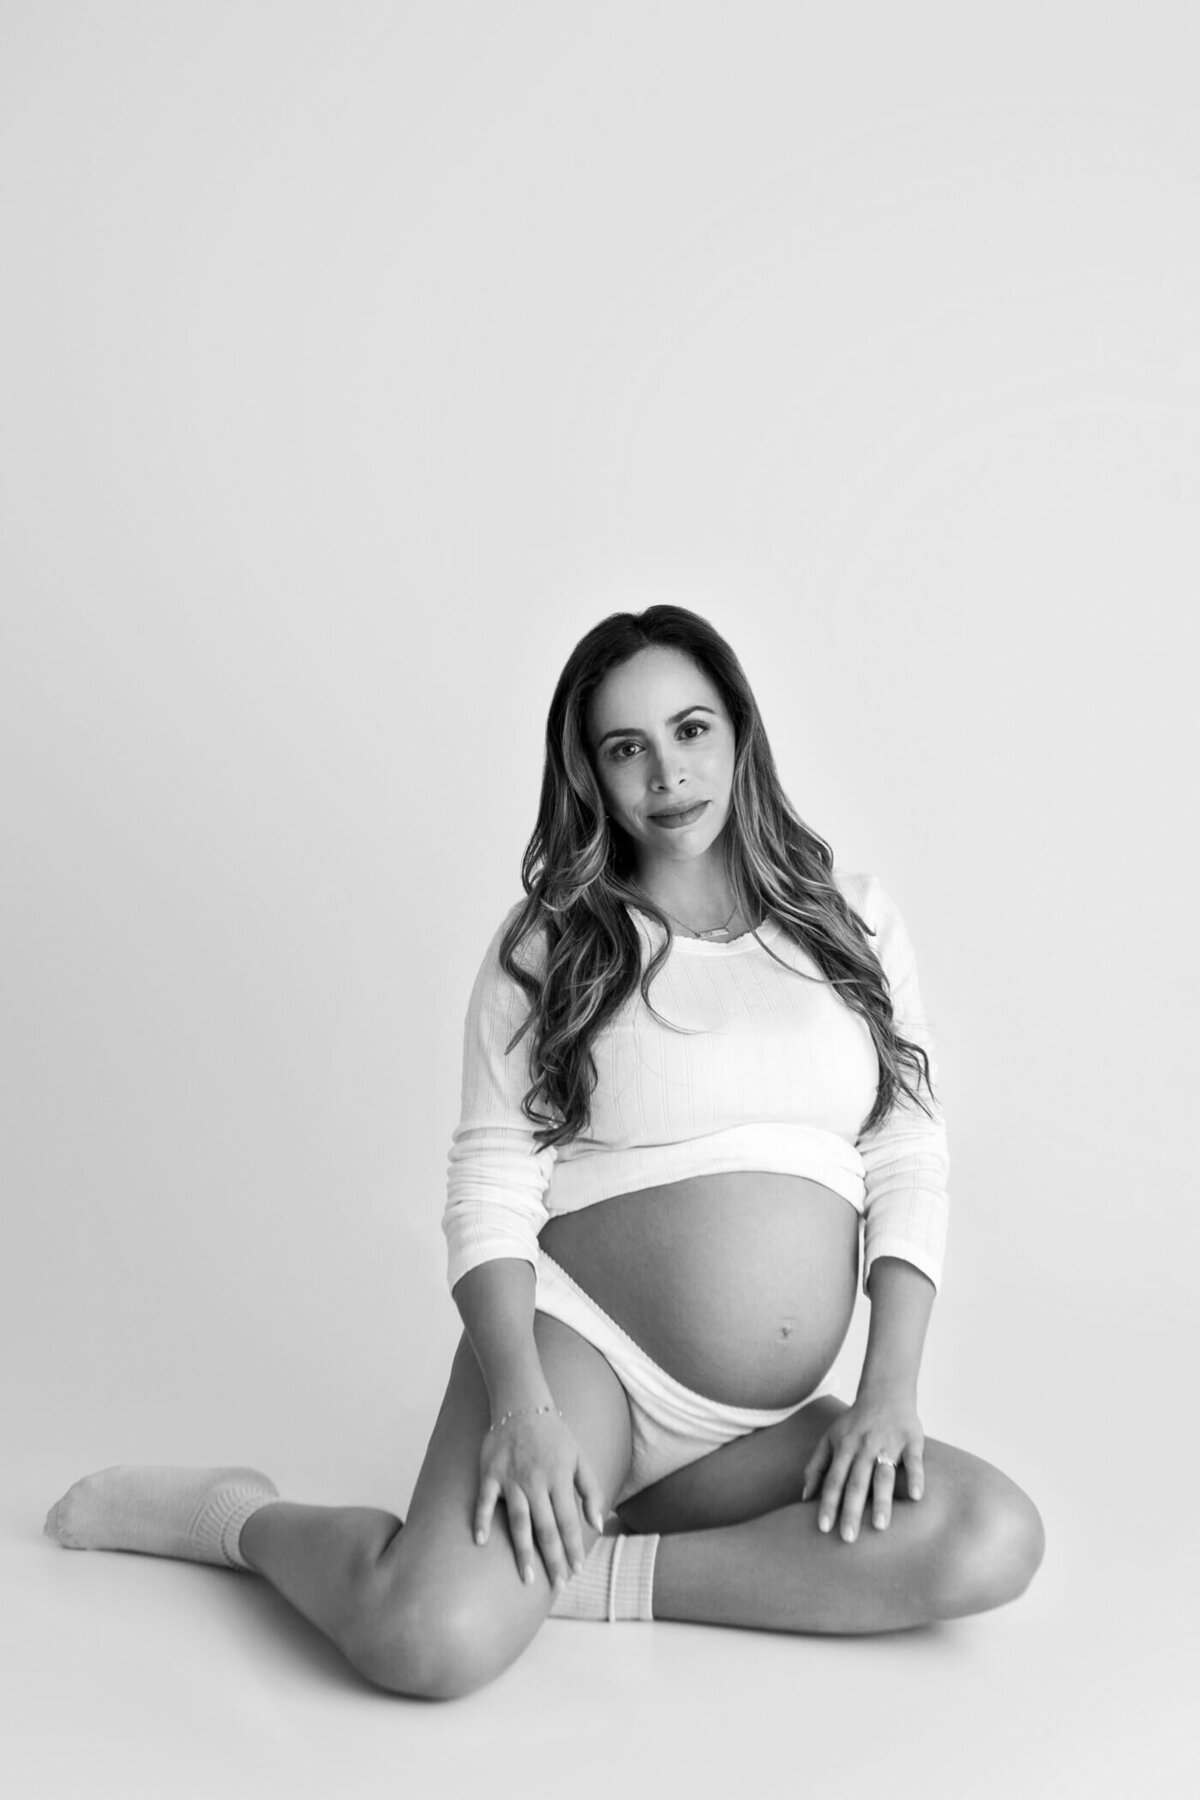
point(860, 890)
point(496, 994)
point(530, 949)
point(876, 907)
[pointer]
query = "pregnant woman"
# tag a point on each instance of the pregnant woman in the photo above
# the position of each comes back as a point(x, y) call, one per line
point(695, 1072)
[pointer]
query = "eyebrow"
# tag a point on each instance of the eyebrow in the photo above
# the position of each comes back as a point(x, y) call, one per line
point(631, 730)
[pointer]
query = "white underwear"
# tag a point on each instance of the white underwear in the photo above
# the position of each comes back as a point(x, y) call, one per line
point(672, 1425)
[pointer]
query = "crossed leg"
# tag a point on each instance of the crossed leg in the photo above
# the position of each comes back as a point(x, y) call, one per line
point(425, 1611)
point(422, 1610)
point(739, 1548)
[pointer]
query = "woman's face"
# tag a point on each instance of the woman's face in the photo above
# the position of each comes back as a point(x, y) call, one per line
point(661, 739)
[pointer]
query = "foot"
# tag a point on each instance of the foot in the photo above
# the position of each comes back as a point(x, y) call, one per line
point(196, 1514)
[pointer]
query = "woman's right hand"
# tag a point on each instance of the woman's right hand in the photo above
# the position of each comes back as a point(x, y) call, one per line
point(534, 1464)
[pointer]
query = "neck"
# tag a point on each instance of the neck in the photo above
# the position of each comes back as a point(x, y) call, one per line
point(694, 895)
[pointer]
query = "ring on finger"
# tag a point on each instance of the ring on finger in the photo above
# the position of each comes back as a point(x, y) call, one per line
point(885, 1461)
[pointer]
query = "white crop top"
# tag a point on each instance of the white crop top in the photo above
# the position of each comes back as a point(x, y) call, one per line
point(778, 1074)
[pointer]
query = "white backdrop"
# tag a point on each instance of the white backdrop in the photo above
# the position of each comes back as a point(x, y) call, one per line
point(355, 360)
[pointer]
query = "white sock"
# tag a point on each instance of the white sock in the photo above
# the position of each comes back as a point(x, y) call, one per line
point(616, 1581)
point(196, 1514)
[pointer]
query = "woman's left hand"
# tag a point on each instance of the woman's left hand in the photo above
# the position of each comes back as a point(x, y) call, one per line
point(845, 1465)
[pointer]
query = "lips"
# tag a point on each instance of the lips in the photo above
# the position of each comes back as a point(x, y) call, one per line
point(681, 816)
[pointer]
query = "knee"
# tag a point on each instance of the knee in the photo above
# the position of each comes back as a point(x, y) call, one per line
point(426, 1646)
point(995, 1544)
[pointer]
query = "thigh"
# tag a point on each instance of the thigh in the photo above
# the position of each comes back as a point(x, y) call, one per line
point(764, 1471)
point(741, 1480)
point(438, 1564)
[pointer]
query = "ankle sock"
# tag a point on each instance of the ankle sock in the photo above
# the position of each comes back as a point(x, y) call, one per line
point(196, 1514)
point(615, 1583)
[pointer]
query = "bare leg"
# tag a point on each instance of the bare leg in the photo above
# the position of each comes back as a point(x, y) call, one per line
point(973, 1542)
point(779, 1573)
point(319, 1558)
point(420, 1610)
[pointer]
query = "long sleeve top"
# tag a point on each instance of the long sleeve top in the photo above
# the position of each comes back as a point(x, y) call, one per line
point(777, 1074)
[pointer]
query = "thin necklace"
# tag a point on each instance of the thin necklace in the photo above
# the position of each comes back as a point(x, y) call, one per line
point(716, 931)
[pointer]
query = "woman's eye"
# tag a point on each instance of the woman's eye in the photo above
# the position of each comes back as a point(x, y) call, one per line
point(692, 725)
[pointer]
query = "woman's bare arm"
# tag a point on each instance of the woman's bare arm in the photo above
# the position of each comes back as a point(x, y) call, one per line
point(496, 1303)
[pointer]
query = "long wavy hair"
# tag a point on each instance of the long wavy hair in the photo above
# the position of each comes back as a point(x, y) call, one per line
point(578, 868)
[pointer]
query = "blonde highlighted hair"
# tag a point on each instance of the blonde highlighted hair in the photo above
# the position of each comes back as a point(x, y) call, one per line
point(577, 874)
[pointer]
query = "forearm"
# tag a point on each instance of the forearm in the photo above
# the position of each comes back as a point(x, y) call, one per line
point(496, 1303)
point(901, 1301)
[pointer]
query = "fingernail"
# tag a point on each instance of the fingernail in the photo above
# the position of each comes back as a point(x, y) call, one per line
point(577, 1568)
point(559, 1584)
point(879, 1521)
point(528, 1575)
point(480, 1537)
point(824, 1521)
point(849, 1534)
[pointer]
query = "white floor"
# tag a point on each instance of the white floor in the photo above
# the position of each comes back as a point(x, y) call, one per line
point(130, 1676)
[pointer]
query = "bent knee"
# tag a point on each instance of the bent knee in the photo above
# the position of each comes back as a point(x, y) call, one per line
point(996, 1544)
point(432, 1646)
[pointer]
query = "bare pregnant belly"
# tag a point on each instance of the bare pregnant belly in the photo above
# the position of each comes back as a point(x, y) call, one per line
point(740, 1285)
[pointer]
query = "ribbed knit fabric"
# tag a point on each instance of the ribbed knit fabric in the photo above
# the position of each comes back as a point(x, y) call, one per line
point(615, 1583)
point(217, 1528)
point(774, 1072)
point(162, 1510)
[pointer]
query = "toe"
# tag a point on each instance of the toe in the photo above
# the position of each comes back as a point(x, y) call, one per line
point(62, 1520)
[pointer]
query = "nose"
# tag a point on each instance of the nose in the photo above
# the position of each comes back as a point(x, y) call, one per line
point(668, 769)
point(666, 765)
